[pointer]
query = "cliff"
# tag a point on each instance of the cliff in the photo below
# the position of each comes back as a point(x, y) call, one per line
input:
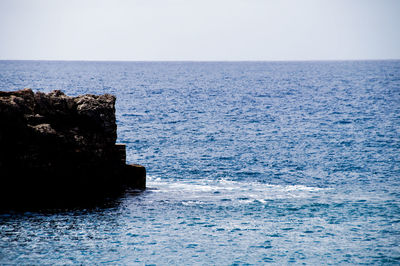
point(56, 149)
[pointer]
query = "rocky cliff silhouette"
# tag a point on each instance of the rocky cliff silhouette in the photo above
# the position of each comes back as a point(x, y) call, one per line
point(56, 150)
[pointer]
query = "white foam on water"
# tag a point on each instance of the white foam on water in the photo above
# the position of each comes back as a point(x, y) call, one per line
point(228, 190)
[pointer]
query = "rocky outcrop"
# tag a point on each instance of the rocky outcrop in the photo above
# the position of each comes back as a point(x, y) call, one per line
point(56, 149)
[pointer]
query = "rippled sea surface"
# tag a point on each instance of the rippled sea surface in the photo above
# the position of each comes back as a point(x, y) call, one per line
point(248, 163)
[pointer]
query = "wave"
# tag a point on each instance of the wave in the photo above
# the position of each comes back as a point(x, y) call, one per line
point(227, 190)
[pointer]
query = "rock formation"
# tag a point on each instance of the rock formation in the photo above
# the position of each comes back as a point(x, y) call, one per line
point(56, 149)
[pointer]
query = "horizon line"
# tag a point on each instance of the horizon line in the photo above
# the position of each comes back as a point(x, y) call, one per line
point(204, 61)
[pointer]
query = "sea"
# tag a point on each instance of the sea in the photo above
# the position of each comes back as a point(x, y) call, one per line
point(248, 163)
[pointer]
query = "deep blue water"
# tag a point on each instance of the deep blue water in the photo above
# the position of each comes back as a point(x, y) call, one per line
point(248, 163)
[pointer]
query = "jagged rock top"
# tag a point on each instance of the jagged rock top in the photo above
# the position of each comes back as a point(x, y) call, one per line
point(79, 121)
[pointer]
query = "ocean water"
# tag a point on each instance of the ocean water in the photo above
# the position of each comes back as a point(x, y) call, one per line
point(248, 163)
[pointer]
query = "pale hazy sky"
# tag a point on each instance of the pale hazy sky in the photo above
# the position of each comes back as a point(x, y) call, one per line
point(199, 29)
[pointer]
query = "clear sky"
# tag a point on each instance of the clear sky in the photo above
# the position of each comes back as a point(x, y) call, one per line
point(199, 29)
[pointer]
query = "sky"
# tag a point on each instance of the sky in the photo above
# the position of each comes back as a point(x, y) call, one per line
point(199, 30)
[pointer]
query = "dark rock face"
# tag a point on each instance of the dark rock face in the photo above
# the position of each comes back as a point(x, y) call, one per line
point(57, 149)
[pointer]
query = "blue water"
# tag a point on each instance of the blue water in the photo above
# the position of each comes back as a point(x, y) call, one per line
point(248, 163)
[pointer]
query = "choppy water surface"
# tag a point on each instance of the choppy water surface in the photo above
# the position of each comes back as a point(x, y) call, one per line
point(248, 163)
